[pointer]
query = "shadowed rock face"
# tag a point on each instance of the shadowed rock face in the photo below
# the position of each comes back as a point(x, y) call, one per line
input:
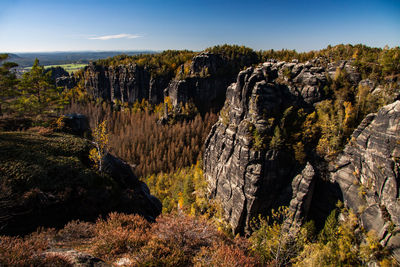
point(368, 172)
point(136, 198)
point(205, 83)
point(127, 84)
point(246, 180)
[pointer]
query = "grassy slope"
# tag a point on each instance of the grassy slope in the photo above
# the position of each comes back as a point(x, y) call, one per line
point(49, 163)
point(48, 181)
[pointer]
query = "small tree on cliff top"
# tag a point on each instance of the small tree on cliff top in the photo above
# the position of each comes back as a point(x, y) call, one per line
point(100, 140)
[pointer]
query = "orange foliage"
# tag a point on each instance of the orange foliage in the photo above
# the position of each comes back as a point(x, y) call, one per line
point(136, 137)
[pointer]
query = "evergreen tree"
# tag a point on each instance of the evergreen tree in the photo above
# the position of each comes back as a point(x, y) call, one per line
point(38, 93)
point(8, 81)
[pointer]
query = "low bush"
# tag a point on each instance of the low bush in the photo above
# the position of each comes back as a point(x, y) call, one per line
point(119, 234)
point(175, 240)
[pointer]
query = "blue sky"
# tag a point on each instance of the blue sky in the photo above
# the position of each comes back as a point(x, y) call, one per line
point(78, 25)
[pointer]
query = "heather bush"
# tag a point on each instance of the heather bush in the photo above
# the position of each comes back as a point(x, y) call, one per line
point(26, 251)
point(119, 234)
point(45, 131)
point(175, 240)
point(228, 254)
point(76, 230)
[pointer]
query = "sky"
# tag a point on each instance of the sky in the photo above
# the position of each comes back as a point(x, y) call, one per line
point(130, 25)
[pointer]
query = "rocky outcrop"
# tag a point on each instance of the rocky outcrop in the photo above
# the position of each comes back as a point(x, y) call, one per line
point(250, 180)
point(204, 83)
point(345, 66)
point(303, 187)
point(75, 258)
point(61, 77)
point(137, 198)
point(368, 172)
point(77, 124)
point(56, 72)
point(67, 82)
point(124, 83)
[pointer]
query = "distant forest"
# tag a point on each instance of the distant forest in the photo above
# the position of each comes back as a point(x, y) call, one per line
point(59, 58)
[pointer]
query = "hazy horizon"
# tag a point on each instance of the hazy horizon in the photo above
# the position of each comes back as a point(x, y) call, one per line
point(155, 25)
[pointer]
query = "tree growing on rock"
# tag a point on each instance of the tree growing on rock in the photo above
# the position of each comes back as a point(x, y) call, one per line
point(100, 140)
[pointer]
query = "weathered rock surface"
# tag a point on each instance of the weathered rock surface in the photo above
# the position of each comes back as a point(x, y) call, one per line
point(129, 83)
point(57, 72)
point(347, 67)
point(368, 172)
point(76, 258)
point(77, 124)
point(125, 83)
point(204, 84)
point(250, 181)
point(67, 82)
point(303, 186)
point(61, 77)
point(136, 198)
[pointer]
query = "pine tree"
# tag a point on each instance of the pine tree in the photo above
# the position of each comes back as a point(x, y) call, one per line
point(38, 94)
point(8, 81)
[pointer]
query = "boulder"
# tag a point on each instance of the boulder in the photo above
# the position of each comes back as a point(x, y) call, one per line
point(77, 124)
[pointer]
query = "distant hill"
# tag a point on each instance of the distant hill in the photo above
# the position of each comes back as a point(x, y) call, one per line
point(13, 56)
point(59, 58)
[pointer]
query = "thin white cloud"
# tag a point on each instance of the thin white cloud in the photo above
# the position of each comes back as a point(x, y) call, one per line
point(115, 36)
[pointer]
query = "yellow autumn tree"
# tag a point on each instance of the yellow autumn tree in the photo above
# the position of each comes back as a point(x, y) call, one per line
point(100, 140)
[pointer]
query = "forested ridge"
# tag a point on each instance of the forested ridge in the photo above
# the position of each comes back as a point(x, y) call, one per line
point(164, 145)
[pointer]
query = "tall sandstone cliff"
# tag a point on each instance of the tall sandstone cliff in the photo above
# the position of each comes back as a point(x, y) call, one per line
point(368, 172)
point(202, 81)
point(250, 179)
point(247, 180)
point(125, 83)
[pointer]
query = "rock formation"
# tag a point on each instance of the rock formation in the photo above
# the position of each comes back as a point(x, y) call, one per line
point(303, 187)
point(204, 83)
point(67, 82)
point(368, 172)
point(247, 180)
point(126, 84)
point(251, 179)
point(77, 124)
point(61, 77)
point(136, 198)
point(76, 258)
point(56, 72)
